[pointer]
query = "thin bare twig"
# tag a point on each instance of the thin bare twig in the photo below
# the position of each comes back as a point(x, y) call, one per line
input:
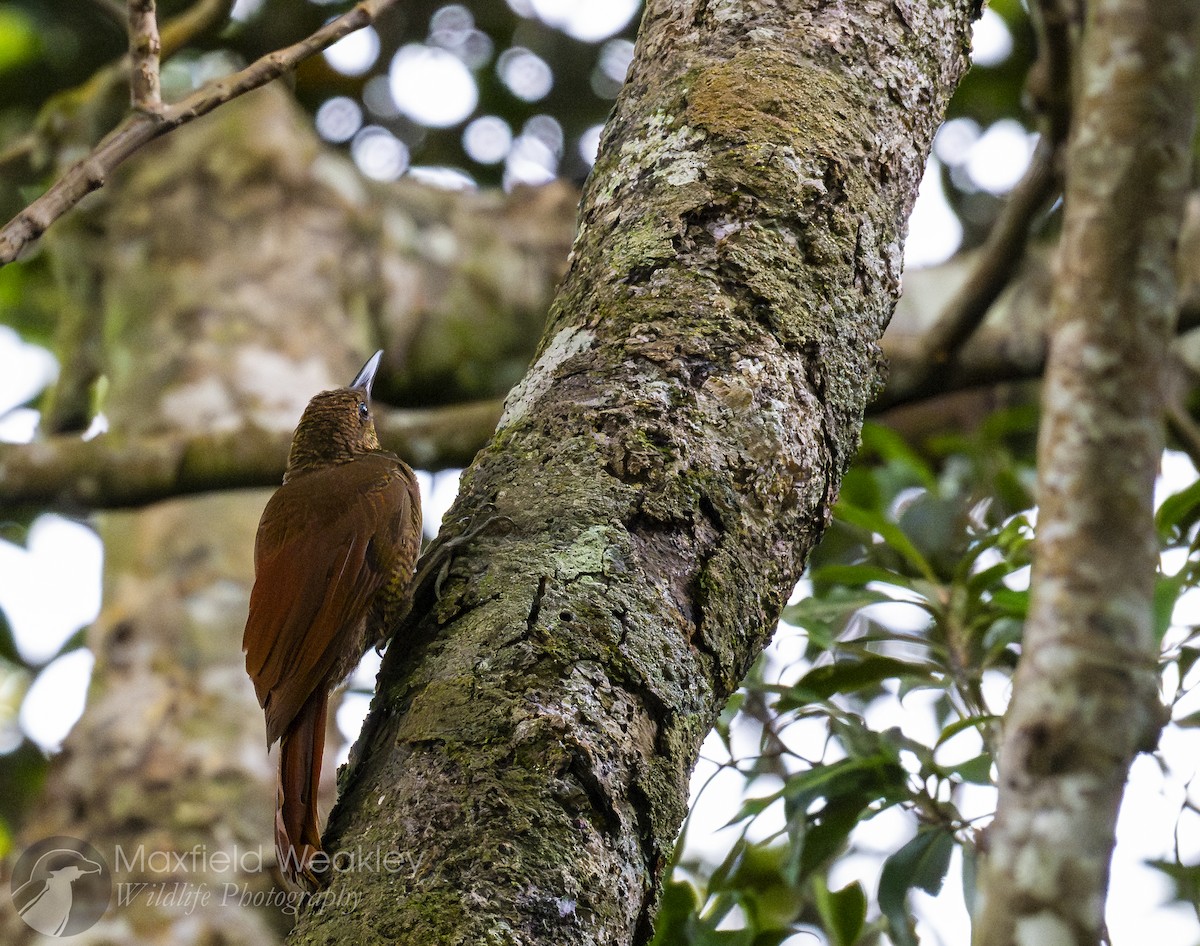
point(145, 92)
point(139, 128)
point(194, 22)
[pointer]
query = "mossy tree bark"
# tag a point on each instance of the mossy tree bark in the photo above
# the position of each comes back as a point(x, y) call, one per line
point(655, 483)
point(1085, 697)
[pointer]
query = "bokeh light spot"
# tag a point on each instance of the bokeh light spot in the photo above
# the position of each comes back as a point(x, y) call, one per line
point(589, 143)
point(338, 119)
point(547, 130)
point(453, 28)
point(531, 161)
point(955, 139)
point(1000, 157)
point(432, 86)
point(526, 74)
point(586, 20)
point(991, 42)
point(55, 699)
point(377, 97)
point(448, 179)
point(611, 68)
point(487, 139)
point(354, 54)
point(379, 154)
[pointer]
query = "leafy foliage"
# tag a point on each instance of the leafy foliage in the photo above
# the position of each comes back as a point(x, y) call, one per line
point(920, 530)
point(946, 532)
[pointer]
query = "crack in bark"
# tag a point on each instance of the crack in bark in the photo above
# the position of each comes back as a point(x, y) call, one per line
point(581, 764)
point(535, 609)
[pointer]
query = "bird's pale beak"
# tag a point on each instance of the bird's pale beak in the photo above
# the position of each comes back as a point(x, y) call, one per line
point(366, 376)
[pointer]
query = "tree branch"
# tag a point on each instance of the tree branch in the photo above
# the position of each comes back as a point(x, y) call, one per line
point(1049, 85)
point(145, 47)
point(176, 33)
point(997, 262)
point(1085, 694)
point(1051, 78)
point(110, 472)
point(139, 128)
point(994, 355)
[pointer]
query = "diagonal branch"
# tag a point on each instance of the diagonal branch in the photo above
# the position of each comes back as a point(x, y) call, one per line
point(998, 261)
point(139, 128)
point(1001, 354)
point(1049, 86)
point(111, 472)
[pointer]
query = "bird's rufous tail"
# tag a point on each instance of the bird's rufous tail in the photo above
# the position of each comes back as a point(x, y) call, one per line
point(297, 837)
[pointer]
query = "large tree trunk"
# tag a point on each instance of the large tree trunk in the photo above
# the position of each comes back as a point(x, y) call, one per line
point(656, 480)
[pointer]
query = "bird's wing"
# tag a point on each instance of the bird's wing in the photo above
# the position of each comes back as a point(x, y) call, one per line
point(323, 550)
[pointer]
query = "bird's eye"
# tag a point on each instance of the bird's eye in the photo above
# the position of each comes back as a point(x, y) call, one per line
point(363, 411)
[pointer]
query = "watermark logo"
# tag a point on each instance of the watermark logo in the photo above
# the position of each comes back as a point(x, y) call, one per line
point(61, 886)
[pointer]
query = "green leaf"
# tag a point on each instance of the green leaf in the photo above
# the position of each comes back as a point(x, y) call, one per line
point(1178, 512)
point(937, 526)
point(855, 576)
point(1011, 603)
point(977, 770)
point(718, 879)
point(8, 644)
point(830, 607)
point(961, 725)
point(895, 451)
point(725, 720)
point(1001, 634)
point(1185, 877)
point(892, 534)
point(863, 779)
point(843, 912)
point(859, 488)
point(1004, 423)
point(1187, 659)
point(1190, 721)
point(824, 838)
point(678, 905)
point(1166, 593)
point(923, 863)
point(850, 676)
point(753, 807)
point(989, 577)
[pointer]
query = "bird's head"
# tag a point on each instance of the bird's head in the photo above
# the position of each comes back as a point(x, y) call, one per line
point(336, 426)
